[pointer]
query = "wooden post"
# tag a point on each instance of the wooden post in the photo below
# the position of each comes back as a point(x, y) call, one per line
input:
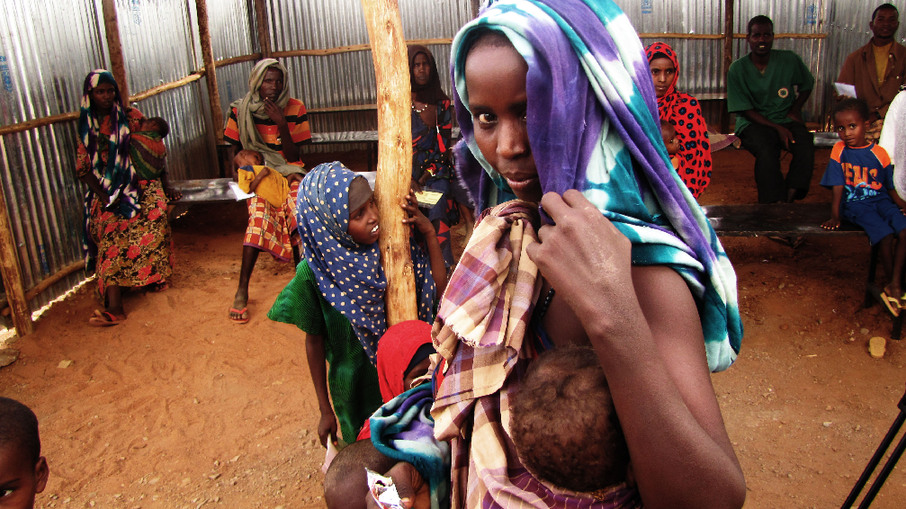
point(729, 13)
point(264, 44)
point(476, 6)
point(210, 71)
point(12, 273)
point(115, 47)
point(394, 168)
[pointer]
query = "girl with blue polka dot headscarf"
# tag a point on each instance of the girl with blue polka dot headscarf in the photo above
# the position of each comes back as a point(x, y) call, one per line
point(337, 296)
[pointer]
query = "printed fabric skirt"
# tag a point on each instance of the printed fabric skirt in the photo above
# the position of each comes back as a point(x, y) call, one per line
point(133, 252)
point(273, 229)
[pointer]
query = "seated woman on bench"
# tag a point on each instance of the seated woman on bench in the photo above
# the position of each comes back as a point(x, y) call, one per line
point(269, 121)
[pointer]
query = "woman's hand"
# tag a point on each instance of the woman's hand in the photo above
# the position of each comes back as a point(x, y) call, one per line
point(294, 177)
point(414, 492)
point(327, 428)
point(586, 259)
point(415, 216)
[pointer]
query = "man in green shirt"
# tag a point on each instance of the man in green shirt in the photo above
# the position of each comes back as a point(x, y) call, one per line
point(766, 89)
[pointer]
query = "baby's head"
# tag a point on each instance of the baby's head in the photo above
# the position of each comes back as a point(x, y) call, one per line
point(564, 424)
point(248, 158)
point(851, 121)
point(157, 125)
point(668, 131)
point(23, 471)
point(363, 213)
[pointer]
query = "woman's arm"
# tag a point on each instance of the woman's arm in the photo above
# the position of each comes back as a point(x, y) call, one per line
point(94, 184)
point(644, 325)
point(314, 351)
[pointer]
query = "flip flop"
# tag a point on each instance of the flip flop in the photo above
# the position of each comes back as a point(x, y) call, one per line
point(104, 319)
point(243, 311)
point(892, 303)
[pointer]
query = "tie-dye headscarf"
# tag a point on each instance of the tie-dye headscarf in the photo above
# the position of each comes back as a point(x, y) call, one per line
point(349, 275)
point(612, 150)
point(117, 177)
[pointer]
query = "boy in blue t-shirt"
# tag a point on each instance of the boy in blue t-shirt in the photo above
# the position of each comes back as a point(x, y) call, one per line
point(861, 177)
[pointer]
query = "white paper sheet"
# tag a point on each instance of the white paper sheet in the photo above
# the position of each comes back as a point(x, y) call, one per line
point(238, 192)
point(845, 89)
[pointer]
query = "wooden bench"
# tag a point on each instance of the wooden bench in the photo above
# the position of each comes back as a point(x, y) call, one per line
point(368, 137)
point(794, 220)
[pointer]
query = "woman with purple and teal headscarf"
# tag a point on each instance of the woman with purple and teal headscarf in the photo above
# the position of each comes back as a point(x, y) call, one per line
point(127, 235)
point(557, 108)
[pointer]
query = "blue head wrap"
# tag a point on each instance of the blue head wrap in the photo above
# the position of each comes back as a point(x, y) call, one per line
point(349, 275)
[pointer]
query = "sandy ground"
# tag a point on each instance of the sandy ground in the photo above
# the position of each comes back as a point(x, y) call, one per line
point(179, 407)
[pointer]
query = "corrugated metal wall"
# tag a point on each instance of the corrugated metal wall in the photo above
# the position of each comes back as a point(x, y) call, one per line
point(46, 48)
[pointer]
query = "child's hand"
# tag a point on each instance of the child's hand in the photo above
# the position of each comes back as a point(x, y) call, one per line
point(831, 224)
point(416, 217)
point(327, 428)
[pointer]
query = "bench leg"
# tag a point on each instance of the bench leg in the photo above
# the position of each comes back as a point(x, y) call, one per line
point(872, 271)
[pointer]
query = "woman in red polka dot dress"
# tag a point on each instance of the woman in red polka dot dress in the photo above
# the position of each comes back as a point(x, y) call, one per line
point(685, 114)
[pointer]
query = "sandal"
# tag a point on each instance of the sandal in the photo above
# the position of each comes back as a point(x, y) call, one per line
point(104, 319)
point(242, 315)
point(892, 303)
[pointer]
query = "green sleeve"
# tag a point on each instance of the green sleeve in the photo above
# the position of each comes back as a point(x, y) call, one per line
point(299, 303)
point(738, 96)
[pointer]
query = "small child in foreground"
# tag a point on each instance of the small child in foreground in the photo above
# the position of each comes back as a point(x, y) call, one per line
point(861, 176)
point(23, 471)
point(672, 142)
point(254, 177)
point(149, 155)
point(564, 423)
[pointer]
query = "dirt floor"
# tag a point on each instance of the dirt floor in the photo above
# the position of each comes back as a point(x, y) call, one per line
point(179, 407)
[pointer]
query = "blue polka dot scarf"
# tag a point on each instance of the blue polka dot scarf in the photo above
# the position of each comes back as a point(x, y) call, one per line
point(349, 275)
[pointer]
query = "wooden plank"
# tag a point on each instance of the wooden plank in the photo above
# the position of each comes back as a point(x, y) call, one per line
point(12, 273)
point(264, 44)
point(210, 69)
point(115, 48)
point(729, 9)
point(394, 100)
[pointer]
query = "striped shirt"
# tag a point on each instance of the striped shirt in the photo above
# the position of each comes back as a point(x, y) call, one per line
point(296, 119)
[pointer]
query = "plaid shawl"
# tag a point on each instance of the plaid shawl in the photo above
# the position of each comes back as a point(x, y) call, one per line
point(481, 331)
point(600, 134)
